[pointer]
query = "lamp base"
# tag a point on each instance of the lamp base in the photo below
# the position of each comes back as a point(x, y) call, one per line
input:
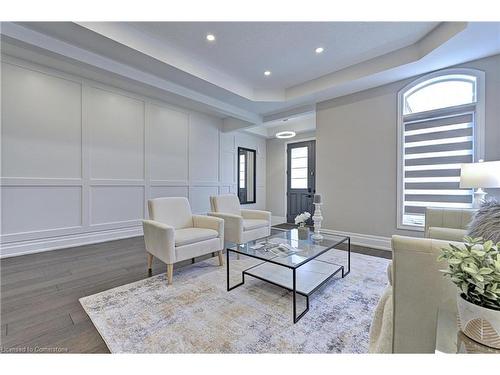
point(479, 196)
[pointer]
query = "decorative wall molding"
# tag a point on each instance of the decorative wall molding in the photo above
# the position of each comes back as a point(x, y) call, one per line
point(179, 170)
point(368, 240)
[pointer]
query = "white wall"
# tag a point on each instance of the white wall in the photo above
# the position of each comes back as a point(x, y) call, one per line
point(276, 174)
point(80, 159)
point(356, 156)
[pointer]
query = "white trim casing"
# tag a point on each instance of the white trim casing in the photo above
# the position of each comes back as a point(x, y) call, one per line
point(367, 240)
point(479, 131)
point(64, 242)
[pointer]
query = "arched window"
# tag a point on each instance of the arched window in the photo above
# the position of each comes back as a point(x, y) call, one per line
point(439, 128)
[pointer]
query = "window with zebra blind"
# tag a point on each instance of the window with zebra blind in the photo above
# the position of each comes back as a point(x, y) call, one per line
point(439, 128)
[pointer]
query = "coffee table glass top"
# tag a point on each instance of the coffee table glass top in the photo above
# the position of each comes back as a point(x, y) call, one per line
point(285, 247)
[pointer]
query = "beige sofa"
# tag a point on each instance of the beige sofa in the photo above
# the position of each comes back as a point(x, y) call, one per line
point(447, 224)
point(174, 234)
point(240, 225)
point(405, 319)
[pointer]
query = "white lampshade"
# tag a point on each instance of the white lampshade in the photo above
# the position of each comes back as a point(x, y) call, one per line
point(480, 175)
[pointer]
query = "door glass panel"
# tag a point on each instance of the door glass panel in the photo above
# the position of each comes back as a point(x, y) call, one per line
point(299, 183)
point(299, 170)
point(299, 152)
point(299, 173)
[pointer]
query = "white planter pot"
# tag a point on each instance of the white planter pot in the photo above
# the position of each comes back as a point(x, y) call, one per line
point(479, 323)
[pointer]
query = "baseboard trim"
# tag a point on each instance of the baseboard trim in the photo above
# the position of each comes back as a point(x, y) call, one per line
point(62, 242)
point(368, 240)
point(70, 241)
point(275, 220)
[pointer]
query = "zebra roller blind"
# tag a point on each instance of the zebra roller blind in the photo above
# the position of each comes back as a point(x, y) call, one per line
point(434, 149)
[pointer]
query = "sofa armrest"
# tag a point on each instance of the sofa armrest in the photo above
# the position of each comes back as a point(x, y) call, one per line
point(447, 234)
point(256, 214)
point(209, 222)
point(160, 240)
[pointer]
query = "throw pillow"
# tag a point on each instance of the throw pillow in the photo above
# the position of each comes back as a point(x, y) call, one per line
point(486, 222)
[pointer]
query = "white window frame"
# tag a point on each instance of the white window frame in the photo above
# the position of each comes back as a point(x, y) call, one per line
point(479, 130)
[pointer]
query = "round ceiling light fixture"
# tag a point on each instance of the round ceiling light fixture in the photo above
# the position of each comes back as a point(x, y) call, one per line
point(267, 73)
point(211, 37)
point(285, 134)
point(319, 50)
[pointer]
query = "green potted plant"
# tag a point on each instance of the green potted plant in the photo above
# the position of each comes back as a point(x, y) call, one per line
point(475, 269)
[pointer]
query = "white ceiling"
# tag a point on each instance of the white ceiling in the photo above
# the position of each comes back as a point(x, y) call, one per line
point(174, 61)
point(245, 50)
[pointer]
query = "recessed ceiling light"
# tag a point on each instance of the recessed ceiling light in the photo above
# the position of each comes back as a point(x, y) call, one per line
point(319, 50)
point(285, 134)
point(267, 73)
point(210, 37)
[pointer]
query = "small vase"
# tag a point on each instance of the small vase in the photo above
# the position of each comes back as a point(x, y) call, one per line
point(479, 323)
point(303, 232)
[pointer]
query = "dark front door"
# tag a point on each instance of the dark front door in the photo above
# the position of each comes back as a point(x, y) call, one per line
point(301, 181)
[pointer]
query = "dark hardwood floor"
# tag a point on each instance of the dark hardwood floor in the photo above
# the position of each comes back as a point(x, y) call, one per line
point(40, 311)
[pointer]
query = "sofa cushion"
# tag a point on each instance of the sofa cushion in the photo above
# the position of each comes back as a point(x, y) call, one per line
point(486, 222)
point(187, 236)
point(249, 224)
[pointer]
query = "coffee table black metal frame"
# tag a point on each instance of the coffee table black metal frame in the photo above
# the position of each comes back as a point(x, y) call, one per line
point(294, 268)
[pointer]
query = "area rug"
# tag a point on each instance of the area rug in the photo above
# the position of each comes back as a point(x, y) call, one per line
point(197, 315)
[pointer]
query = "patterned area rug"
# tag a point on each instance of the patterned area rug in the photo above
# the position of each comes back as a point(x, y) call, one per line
point(197, 315)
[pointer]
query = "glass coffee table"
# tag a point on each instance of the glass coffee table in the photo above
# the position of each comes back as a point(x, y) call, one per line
point(292, 263)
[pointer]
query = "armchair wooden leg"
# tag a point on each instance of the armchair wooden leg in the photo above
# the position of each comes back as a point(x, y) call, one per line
point(150, 261)
point(170, 273)
point(221, 258)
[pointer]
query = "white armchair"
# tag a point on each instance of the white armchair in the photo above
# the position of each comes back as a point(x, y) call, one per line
point(240, 225)
point(173, 234)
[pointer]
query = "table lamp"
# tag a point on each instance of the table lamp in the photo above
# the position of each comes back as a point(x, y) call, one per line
point(478, 176)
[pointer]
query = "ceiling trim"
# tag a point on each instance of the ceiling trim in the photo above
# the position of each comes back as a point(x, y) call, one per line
point(44, 42)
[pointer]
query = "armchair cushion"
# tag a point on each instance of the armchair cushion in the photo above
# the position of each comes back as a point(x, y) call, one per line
point(186, 236)
point(249, 224)
point(173, 211)
point(227, 203)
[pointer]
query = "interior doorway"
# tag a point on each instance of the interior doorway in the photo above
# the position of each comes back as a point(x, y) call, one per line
point(301, 178)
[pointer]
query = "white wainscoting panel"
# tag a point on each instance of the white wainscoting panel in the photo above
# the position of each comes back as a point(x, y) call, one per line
point(41, 125)
point(40, 208)
point(116, 204)
point(168, 143)
point(80, 159)
point(116, 135)
point(169, 191)
point(203, 148)
point(224, 189)
point(199, 198)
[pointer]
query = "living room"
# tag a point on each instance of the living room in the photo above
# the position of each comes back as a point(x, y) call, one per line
point(201, 186)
